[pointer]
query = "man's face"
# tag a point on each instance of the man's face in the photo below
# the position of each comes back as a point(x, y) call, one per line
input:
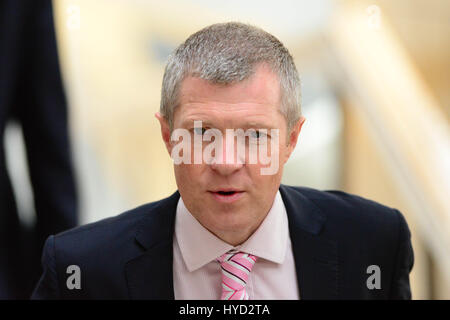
point(231, 199)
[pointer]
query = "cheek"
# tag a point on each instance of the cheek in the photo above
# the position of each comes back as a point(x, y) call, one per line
point(283, 151)
point(284, 155)
point(183, 174)
point(262, 182)
point(189, 176)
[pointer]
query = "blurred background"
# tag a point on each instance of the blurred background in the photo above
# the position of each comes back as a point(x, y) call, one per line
point(376, 96)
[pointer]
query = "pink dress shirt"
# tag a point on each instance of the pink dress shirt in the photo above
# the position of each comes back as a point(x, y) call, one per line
point(197, 275)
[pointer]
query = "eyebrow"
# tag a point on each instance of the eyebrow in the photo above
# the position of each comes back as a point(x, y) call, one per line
point(258, 125)
point(205, 123)
point(190, 122)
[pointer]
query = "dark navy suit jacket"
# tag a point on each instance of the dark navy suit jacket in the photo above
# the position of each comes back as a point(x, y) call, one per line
point(335, 238)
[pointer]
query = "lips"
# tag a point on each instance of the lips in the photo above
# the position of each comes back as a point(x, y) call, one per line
point(227, 195)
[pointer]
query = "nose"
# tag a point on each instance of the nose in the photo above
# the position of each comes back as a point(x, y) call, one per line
point(229, 161)
point(226, 169)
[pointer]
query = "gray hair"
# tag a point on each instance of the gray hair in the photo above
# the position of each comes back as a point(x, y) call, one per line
point(226, 53)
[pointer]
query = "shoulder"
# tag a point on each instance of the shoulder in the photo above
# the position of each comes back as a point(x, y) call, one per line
point(107, 230)
point(113, 237)
point(352, 214)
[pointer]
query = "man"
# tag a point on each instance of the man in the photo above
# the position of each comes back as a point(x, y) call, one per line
point(231, 231)
point(32, 95)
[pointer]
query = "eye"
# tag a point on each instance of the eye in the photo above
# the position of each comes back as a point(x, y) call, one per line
point(257, 134)
point(200, 131)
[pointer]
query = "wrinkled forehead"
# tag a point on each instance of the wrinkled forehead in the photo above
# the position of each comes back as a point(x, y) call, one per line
point(251, 102)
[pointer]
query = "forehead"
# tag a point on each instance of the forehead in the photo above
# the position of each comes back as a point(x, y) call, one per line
point(252, 101)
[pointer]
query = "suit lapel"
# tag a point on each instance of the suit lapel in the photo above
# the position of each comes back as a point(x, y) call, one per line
point(316, 257)
point(150, 275)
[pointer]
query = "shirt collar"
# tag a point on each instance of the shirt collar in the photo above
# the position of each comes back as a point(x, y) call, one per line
point(199, 246)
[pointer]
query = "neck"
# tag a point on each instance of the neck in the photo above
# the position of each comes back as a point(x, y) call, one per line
point(237, 237)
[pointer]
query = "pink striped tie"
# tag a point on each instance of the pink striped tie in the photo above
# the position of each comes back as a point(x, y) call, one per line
point(236, 268)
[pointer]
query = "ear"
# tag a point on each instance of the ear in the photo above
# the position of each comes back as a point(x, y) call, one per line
point(165, 131)
point(293, 137)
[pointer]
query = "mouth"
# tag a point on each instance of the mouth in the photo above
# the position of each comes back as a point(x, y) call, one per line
point(227, 195)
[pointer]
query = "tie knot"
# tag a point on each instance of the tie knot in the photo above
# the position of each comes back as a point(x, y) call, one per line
point(236, 267)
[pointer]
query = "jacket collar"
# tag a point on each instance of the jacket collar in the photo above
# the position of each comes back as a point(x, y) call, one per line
point(316, 257)
point(150, 275)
